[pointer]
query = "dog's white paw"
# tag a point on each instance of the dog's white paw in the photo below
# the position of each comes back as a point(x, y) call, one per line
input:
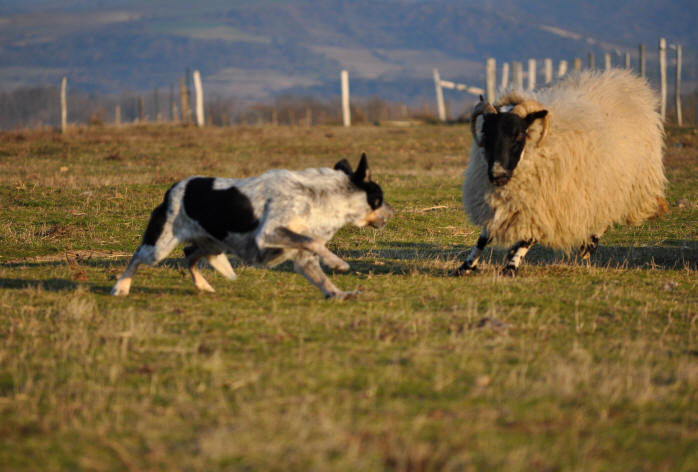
point(341, 266)
point(121, 288)
point(204, 287)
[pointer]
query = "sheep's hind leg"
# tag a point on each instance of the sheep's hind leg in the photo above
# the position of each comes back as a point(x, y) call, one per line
point(515, 255)
point(588, 249)
point(470, 265)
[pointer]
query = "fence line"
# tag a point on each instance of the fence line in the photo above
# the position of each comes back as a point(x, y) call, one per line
point(440, 108)
point(440, 84)
point(184, 96)
point(662, 77)
point(346, 111)
point(505, 76)
point(679, 115)
point(515, 81)
point(64, 105)
point(199, 99)
point(517, 74)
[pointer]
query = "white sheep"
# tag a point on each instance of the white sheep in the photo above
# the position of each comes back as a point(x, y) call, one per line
point(561, 165)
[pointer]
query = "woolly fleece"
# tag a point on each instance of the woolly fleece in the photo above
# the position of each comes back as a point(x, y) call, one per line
point(595, 160)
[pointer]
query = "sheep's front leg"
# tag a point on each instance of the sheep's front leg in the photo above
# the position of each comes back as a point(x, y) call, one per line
point(470, 265)
point(308, 265)
point(514, 257)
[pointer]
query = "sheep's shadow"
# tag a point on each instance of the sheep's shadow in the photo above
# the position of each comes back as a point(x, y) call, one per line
point(671, 255)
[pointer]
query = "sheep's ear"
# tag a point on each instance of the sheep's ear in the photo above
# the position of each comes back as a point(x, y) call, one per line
point(344, 166)
point(531, 117)
point(538, 123)
point(362, 173)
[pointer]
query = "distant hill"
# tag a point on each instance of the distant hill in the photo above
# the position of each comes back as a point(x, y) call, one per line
point(256, 50)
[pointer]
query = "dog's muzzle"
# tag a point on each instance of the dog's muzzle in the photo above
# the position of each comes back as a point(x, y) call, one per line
point(381, 215)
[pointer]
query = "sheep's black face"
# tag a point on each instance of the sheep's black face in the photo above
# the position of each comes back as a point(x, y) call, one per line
point(504, 139)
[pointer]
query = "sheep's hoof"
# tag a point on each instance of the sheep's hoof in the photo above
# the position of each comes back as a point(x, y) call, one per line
point(509, 271)
point(464, 270)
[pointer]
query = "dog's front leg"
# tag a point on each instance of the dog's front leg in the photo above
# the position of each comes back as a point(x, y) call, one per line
point(285, 237)
point(307, 264)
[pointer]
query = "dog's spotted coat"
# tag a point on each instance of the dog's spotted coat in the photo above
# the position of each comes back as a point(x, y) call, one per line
point(280, 215)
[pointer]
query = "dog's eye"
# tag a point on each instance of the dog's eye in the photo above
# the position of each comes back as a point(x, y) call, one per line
point(376, 203)
point(520, 137)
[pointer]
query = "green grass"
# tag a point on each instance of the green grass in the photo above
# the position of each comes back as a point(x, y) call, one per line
point(564, 368)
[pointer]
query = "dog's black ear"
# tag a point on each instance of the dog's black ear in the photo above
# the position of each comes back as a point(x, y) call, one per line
point(362, 174)
point(344, 166)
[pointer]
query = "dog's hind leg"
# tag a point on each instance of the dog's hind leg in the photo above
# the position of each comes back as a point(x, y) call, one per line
point(145, 254)
point(158, 242)
point(193, 254)
point(221, 263)
point(308, 265)
point(287, 238)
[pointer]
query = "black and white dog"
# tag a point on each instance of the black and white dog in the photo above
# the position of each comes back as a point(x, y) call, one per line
point(277, 216)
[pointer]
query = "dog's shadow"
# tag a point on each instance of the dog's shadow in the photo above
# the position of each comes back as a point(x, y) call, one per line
point(395, 257)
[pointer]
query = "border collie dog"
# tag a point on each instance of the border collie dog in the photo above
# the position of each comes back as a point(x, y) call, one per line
point(280, 215)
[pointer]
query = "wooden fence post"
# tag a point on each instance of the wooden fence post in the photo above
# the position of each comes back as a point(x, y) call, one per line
point(199, 99)
point(548, 70)
point(64, 105)
point(173, 106)
point(517, 75)
point(346, 112)
point(562, 69)
point(662, 77)
point(156, 105)
point(491, 79)
point(627, 60)
point(531, 74)
point(577, 64)
point(505, 76)
point(592, 61)
point(440, 108)
point(141, 109)
point(679, 116)
point(607, 61)
point(117, 115)
point(186, 111)
point(641, 60)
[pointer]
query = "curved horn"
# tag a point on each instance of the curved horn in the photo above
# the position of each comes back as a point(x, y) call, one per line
point(482, 108)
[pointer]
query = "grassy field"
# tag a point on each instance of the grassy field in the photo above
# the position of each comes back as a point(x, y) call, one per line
point(567, 367)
